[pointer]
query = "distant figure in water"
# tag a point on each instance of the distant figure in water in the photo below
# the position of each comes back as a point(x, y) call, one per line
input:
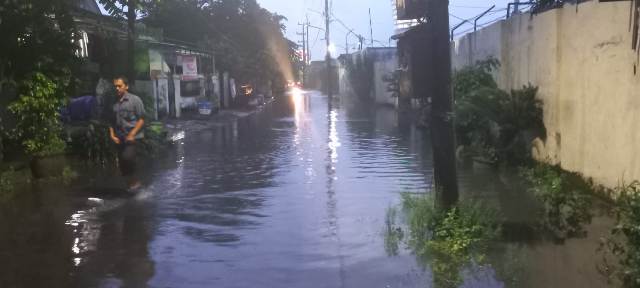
point(126, 130)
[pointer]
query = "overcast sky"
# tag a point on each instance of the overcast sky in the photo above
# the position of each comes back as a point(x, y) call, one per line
point(355, 14)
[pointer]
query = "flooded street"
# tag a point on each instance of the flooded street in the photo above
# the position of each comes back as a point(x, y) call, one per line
point(295, 195)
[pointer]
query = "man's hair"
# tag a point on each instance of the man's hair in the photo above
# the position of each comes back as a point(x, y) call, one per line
point(124, 79)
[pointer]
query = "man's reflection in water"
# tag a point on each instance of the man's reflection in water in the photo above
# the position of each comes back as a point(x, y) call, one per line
point(123, 259)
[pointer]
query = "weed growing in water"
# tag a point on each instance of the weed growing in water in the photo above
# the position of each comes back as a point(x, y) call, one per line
point(393, 234)
point(10, 180)
point(624, 241)
point(565, 200)
point(69, 175)
point(7, 183)
point(449, 240)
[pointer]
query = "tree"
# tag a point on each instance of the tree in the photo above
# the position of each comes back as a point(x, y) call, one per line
point(37, 64)
point(37, 37)
point(129, 10)
point(248, 41)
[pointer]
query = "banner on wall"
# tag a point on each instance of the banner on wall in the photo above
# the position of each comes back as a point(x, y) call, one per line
point(189, 67)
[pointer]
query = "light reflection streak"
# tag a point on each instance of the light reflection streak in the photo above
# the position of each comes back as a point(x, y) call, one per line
point(331, 174)
point(86, 231)
point(334, 140)
point(302, 139)
point(298, 99)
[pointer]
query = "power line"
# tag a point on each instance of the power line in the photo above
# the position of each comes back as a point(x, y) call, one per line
point(481, 25)
point(470, 7)
point(468, 21)
point(461, 19)
point(316, 41)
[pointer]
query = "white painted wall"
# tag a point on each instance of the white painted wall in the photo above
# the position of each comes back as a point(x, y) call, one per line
point(385, 62)
point(381, 68)
point(582, 61)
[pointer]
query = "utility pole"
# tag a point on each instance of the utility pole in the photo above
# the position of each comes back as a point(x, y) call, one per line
point(304, 50)
point(438, 81)
point(327, 37)
point(308, 52)
point(371, 27)
point(516, 6)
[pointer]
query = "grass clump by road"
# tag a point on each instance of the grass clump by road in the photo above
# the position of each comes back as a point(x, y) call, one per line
point(449, 240)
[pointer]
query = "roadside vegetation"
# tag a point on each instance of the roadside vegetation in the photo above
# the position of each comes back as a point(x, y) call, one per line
point(491, 124)
point(621, 248)
point(565, 200)
point(450, 242)
point(40, 71)
point(8, 179)
point(498, 127)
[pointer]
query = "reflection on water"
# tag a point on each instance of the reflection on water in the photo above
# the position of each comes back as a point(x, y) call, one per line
point(293, 196)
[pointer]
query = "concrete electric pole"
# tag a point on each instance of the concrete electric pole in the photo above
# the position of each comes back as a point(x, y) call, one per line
point(438, 79)
point(370, 27)
point(304, 50)
point(327, 36)
point(308, 52)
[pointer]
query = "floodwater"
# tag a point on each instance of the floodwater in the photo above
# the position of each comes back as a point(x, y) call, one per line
point(293, 196)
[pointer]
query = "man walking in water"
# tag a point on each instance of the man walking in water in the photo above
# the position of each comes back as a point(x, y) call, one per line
point(127, 129)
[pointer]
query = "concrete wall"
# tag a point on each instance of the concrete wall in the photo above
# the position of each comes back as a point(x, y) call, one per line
point(385, 62)
point(581, 59)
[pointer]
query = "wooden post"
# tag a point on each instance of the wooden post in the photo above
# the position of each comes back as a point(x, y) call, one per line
point(439, 77)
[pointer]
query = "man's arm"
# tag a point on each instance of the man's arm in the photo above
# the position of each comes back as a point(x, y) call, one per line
point(114, 138)
point(132, 135)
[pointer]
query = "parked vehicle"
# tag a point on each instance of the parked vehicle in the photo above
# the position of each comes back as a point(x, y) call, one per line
point(248, 97)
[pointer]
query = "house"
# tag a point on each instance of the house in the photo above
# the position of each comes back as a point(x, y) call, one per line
point(170, 77)
point(412, 49)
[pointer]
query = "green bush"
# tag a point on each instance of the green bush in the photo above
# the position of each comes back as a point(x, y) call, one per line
point(471, 78)
point(38, 126)
point(10, 181)
point(69, 175)
point(155, 141)
point(624, 241)
point(565, 200)
point(450, 240)
point(492, 123)
point(93, 143)
point(7, 179)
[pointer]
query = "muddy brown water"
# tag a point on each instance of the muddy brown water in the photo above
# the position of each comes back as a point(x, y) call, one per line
point(293, 196)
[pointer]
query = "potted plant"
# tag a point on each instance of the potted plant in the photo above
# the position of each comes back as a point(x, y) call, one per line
point(38, 127)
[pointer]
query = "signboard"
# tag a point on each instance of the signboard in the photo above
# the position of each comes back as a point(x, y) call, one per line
point(157, 66)
point(411, 9)
point(189, 67)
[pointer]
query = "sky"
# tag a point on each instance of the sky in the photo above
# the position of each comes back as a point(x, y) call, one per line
point(355, 15)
